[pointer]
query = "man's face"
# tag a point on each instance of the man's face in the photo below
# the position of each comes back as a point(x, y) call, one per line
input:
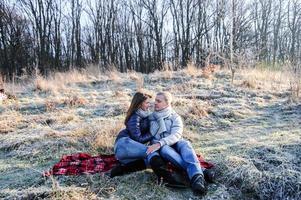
point(160, 103)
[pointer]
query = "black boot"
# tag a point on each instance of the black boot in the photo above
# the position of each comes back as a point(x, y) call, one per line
point(209, 175)
point(170, 179)
point(121, 169)
point(198, 184)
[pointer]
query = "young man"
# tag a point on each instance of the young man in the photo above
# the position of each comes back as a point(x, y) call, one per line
point(166, 126)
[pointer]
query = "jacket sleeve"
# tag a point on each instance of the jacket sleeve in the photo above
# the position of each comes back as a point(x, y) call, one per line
point(133, 127)
point(175, 132)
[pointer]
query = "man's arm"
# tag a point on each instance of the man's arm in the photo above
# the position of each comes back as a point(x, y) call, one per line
point(176, 132)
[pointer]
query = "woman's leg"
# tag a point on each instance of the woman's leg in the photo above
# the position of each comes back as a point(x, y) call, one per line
point(128, 150)
point(131, 155)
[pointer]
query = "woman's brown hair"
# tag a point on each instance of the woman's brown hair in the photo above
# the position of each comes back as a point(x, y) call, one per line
point(137, 101)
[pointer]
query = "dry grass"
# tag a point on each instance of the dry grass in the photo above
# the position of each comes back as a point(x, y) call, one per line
point(60, 81)
point(73, 76)
point(73, 193)
point(183, 88)
point(10, 121)
point(165, 73)
point(94, 71)
point(75, 101)
point(199, 111)
point(265, 79)
point(243, 174)
point(248, 84)
point(14, 88)
point(295, 91)
point(115, 76)
point(106, 135)
point(120, 94)
point(192, 70)
point(66, 118)
point(82, 132)
point(192, 136)
point(193, 109)
point(209, 70)
point(205, 72)
point(138, 78)
point(50, 105)
point(295, 85)
point(252, 136)
point(44, 85)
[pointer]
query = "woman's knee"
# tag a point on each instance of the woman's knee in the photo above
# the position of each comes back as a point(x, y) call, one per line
point(120, 152)
point(122, 142)
point(120, 148)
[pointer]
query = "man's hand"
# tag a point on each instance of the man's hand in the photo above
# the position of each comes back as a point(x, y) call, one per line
point(152, 148)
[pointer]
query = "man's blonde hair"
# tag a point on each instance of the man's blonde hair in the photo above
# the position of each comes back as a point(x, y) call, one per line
point(167, 97)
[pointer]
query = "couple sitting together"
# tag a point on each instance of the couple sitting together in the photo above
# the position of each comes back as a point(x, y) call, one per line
point(153, 139)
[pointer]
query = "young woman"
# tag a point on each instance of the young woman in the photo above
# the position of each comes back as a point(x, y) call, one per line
point(130, 148)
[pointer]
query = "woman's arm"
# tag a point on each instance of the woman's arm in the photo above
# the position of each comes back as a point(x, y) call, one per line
point(133, 127)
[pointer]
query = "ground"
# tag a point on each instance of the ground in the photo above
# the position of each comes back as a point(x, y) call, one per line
point(250, 129)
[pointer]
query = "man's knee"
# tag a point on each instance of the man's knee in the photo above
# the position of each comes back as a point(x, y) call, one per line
point(184, 144)
point(164, 149)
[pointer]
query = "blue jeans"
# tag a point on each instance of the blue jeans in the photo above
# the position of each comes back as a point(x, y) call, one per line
point(128, 150)
point(183, 156)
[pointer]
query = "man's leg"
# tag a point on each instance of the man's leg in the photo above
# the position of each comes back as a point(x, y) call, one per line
point(194, 170)
point(168, 153)
point(159, 166)
point(188, 155)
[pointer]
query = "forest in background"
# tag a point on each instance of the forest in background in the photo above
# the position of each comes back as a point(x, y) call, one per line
point(146, 35)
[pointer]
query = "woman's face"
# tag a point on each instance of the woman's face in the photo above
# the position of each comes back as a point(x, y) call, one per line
point(145, 104)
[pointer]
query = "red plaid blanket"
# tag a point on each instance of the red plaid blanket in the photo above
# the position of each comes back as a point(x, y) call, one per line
point(83, 163)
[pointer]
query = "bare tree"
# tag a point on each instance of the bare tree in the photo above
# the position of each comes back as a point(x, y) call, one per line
point(142, 35)
point(157, 11)
point(294, 21)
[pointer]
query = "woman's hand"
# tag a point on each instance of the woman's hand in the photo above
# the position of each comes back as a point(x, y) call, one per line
point(152, 148)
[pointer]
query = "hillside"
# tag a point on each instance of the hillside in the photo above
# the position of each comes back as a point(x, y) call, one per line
point(251, 130)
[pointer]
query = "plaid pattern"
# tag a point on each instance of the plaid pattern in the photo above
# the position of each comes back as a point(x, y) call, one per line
point(83, 163)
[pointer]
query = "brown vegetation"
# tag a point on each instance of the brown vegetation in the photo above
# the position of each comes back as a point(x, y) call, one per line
point(250, 133)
